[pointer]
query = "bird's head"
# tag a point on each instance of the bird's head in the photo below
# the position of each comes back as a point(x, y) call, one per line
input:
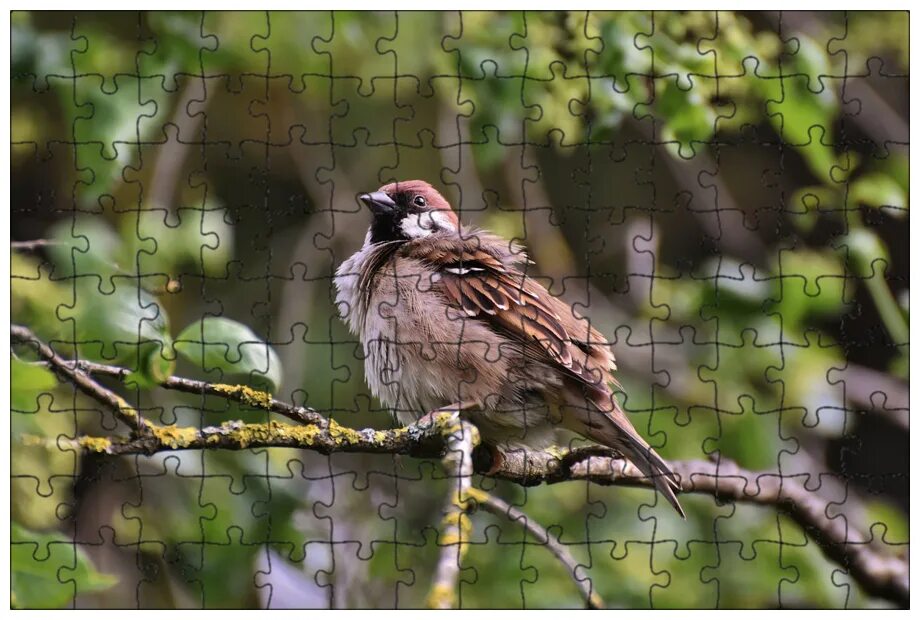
point(408, 210)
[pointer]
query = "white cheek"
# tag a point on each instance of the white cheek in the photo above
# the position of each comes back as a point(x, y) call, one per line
point(420, 225)
point(442, 221)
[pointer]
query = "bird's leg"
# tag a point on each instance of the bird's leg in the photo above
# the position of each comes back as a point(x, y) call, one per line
point(495, 456)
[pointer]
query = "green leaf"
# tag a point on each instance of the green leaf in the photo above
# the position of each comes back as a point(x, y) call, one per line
point(114, 111)
point(153, 367)
point(85, 245)
point(879, 190)
point(128, 327)
point(810, 282)
point(232, 348)
point(802, 116)
point(807, 203)
point(160, 242)
point(689, 119)
point(47, 571)
point(865, 248)
point(26, 382)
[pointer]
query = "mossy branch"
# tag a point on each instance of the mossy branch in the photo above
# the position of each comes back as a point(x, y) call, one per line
point(842, 541)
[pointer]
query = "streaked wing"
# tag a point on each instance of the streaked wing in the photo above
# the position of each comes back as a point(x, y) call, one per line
point(484, 286)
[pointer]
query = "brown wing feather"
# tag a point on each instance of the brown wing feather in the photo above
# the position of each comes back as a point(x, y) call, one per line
point(485, 286)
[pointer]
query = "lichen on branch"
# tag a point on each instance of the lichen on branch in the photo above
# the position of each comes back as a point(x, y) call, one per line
point(434, 436)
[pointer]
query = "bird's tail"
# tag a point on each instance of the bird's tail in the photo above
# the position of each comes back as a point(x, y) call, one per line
point(610, 426)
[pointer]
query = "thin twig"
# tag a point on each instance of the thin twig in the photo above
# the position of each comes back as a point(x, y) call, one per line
point(236, 393)
point(455, 526)
point(65, 370)
point(501, 508)
point(35, 244)
point(841, 540)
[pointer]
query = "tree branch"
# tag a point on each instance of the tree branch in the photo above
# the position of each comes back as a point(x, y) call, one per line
point(455, 526)
point(122, 410)
point(236, 393)
point(842, 541)
point(857, 552)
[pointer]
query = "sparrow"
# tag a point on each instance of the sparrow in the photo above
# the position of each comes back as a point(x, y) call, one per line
point(448, 317)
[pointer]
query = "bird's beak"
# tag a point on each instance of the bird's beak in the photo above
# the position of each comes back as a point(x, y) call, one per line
point(378, 202)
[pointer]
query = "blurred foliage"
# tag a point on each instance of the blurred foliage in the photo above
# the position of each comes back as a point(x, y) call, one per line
point(743, 348)
point(35, 586)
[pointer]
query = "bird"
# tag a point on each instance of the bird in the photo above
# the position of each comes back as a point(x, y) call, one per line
point(448, 317)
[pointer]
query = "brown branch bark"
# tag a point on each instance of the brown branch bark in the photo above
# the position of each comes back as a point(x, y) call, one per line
point(879, 574)
point(119, 406)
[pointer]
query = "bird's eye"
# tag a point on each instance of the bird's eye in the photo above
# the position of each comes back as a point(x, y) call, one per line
point(419, 201)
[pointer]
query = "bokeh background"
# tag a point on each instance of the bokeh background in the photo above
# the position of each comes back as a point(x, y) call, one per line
point(725, 195)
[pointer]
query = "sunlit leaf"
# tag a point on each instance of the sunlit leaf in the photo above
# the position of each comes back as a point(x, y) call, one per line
point(231, 347)
point(810, 282)
point(86, 246)
point(865, 248)
point(879, 190)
